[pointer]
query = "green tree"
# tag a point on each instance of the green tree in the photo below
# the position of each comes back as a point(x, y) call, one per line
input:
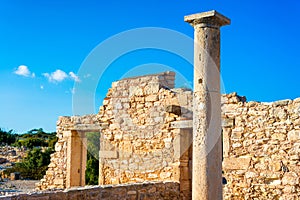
point(37, 138)
point(33, 142)
point(7, 137)
point(92, 165)
point(92, 170)
point(52, 141)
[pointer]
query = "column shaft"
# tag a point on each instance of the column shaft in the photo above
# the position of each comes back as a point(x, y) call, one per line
point(207, 155)
point(207, 146)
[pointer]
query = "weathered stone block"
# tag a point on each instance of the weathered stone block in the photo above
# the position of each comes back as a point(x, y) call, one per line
point(278, 136)
point(108, 154)
point(294, 135)
point(276, 166)
point(188, 124)
point(58, 181)
point(282, 102)
point(236, 163)
point(175, 109)
point(227, 122)
point(151, 98)
point(152, 88)
point(290, 178)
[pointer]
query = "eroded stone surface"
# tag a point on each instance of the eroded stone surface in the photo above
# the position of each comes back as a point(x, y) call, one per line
point(268, 133)
point(138, 140)
point(256, 131)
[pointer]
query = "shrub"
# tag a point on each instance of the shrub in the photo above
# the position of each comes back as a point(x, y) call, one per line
point(34, 165)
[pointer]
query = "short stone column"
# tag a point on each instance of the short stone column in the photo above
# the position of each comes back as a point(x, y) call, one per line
point(207, 146)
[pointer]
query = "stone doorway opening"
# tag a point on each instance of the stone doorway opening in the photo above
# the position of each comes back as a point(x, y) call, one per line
point(83, 156)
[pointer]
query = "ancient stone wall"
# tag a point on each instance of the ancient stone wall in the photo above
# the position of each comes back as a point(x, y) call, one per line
point(138, 142)
point(137, 191)
point(141, 136)
point(261, 147)
point(145, 128)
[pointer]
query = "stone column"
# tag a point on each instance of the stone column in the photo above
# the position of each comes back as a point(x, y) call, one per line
point(207, 146)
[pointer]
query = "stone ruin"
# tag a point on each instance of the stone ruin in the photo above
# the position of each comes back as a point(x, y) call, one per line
point(151, 135)
point(145, 125)
point(145, 135)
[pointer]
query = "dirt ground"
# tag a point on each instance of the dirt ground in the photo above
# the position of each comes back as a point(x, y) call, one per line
point(14, 187)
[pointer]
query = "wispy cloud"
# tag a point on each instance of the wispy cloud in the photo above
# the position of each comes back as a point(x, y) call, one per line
point(74, 77)
point(24, 71)
point(59, 76)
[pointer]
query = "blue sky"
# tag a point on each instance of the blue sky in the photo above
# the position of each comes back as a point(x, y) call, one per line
point(45, 43)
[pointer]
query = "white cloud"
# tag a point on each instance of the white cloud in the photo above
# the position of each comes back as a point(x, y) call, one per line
point(42, 87)
point(57, 76)
point(24, 71)
point(74, 77)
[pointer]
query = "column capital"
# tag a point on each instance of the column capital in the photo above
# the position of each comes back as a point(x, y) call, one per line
point(211, 19)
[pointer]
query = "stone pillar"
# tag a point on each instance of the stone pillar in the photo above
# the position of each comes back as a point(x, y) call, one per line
point(207, 146)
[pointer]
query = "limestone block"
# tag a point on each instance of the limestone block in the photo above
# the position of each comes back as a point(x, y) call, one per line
point(294, 135)
point(151, 98)
point(168, 142)
point(118, 105)
point(227, 122)
point(58, 146)
point(108, 154)
point(58, 181)
point(159, 120)
point(182, 99)
point(274, 182)
point(276, 166)
point(152, 88)
point(282, 102)
point(118, 136)
point(278, 136)
point(289, 189)
point(236, 145)
point(135, 91)
point(294, 157)
point(52, 165)
point(236, 135)
point(236, 163)
point(250, 174)
point(290, 178)
point(184, 124)
point(115, 181)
